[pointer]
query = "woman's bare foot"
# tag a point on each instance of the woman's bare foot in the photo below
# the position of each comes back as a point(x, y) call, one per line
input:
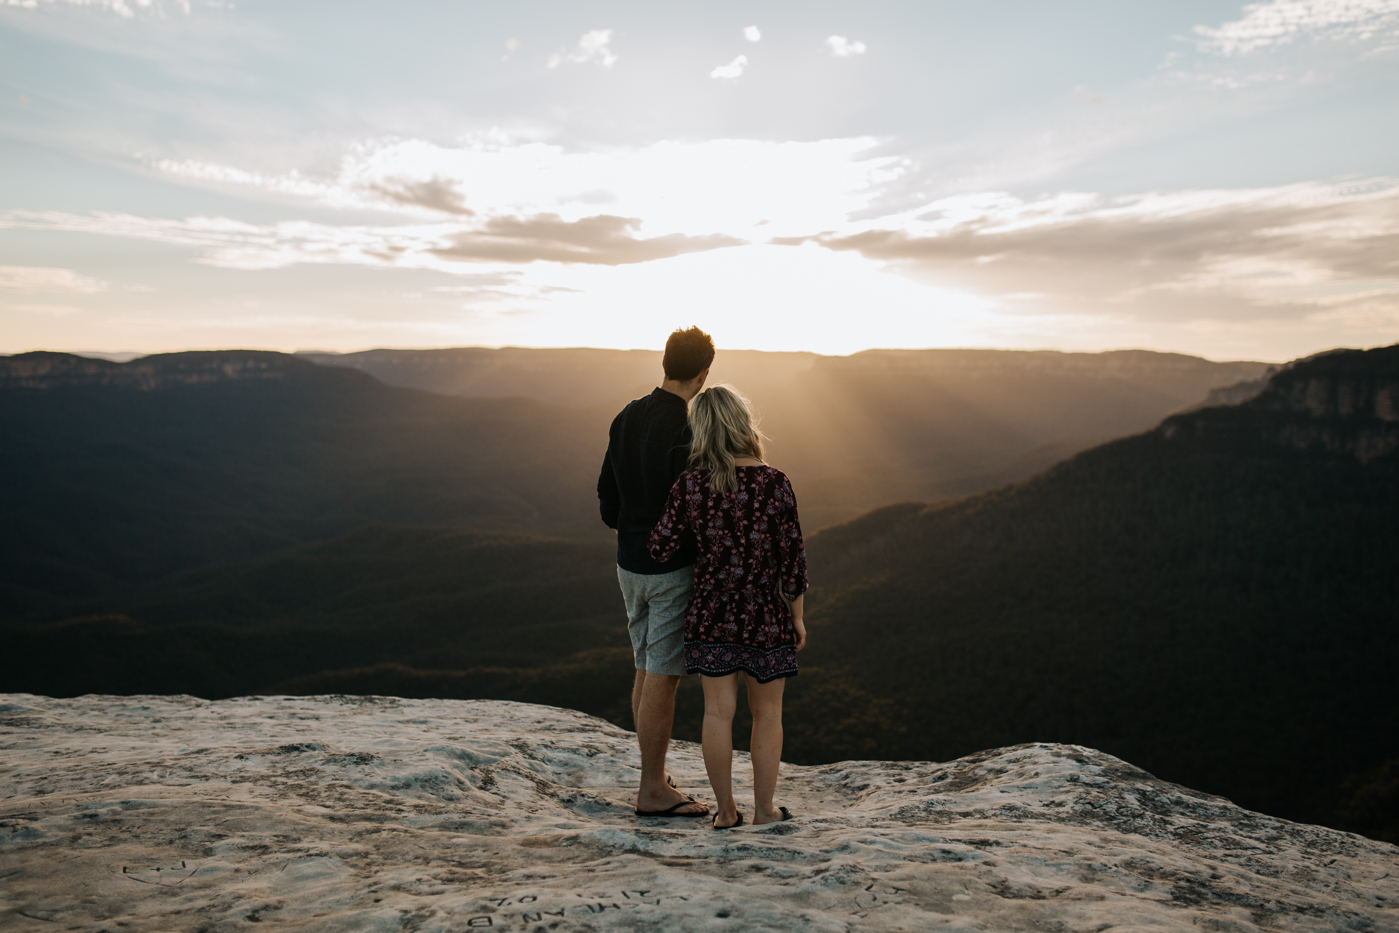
point(726, 819)
point(770, 815)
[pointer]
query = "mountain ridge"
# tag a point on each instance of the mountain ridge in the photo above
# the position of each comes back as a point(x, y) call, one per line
point(42, 370)
point(1183, 601)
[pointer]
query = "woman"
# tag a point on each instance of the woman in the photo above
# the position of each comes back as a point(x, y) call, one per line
point(745, 613)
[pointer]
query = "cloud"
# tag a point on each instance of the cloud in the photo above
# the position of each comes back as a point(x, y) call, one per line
point(752, 33)
point(1230, 254)
point(597, 240)
point(485, 287)
point(47, 279)
point(235, 244)
point(843, 47)
point(120, 7)
point(1266, 25)
point(592, 47)
point(732, 70)
point(601, 240)
point(693, 188)
point(434, 194)
point(519, 204)
point(291, 183)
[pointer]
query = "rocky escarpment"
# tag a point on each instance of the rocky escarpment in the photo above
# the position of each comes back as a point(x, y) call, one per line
point(371, 813)
point(1235, 394)
point(1345, 401)
point(1106, 365)
point(45, 370)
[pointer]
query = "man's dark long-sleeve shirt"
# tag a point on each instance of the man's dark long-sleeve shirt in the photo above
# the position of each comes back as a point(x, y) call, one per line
point(648, 448)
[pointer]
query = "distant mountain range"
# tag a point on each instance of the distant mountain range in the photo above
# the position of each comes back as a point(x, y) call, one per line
point(861, 431)
point(114, 475)
point(122, 473)
point(1215, 598)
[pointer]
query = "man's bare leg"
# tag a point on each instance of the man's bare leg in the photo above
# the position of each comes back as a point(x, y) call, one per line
point(636, 689)
point(636, 700)
point(655, 715)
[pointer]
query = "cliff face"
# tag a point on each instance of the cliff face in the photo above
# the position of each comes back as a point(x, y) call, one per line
point(373, 813)
point(1344, 402)
point(1344, 384)
point(43, 370)
point(1107, 365)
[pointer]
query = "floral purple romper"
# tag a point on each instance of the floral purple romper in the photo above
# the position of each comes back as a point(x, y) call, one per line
point(750, 551)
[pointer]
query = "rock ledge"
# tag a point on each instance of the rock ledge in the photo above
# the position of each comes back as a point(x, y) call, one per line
point(373, 813)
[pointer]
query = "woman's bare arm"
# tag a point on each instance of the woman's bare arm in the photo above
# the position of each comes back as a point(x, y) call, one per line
point(797, 622)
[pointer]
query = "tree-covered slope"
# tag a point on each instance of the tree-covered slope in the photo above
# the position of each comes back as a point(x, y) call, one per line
point(114, 475)
point(1217, 599)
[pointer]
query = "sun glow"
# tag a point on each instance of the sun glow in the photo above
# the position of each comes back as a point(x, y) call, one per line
point(754, 297)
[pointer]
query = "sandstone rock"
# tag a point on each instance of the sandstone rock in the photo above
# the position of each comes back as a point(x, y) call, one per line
point(371, 813)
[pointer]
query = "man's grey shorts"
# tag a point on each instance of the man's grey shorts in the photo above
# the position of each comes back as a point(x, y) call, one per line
point(656, 617)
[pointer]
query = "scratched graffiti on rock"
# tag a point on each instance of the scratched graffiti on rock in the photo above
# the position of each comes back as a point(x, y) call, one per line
point(537, 907)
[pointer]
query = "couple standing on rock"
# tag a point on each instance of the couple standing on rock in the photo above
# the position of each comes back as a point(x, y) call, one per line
point(713, 572)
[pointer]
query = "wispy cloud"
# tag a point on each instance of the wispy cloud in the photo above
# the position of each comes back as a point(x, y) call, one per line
point(291, 183)
point(435, 194)
point(717, 186)
point(1191, 95)
point(1267, 25)
point(752, 33)
point(843, 47)
point(31, 279)
point(119, 7)
point(599, 240)
point(1226, 254)
point(593, 46)
point(602, 240)
point(732, 70)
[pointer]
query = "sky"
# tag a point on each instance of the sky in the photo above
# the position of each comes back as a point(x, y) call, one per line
point(1213, 178)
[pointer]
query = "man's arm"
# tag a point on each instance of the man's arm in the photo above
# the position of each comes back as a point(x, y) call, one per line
point(678, 459)
point(609, 499)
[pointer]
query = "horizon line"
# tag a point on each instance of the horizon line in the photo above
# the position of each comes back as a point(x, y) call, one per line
point(125, 356)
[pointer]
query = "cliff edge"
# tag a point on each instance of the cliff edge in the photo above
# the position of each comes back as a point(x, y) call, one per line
point(1341, 402)
point(373, 813)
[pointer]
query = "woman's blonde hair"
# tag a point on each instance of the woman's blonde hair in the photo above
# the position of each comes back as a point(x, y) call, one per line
point(722, 429)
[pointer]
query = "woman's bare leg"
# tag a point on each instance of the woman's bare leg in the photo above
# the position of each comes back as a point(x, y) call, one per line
point(765, 701)
point(720, 702)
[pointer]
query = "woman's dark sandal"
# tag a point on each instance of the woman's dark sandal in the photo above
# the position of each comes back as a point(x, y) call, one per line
point(715, 822)
point(674, 812)
point(786, 814)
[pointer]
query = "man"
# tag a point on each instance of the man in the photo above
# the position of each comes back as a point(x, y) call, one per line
point(648, 447)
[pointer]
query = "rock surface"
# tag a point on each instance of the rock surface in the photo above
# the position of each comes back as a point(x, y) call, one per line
point(371, 813)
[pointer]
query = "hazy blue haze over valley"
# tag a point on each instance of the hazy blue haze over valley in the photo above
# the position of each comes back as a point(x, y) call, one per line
point(1206, 598)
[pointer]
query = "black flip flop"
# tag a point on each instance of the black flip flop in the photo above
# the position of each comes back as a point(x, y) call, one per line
point(786, 814)
point(672, 812)
point(715, 822)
